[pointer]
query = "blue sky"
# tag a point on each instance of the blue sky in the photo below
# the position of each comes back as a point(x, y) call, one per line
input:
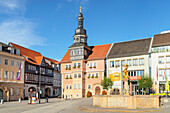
point(47, 26)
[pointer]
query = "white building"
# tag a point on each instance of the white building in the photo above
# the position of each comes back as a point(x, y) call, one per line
point(134, 53)
point(160, 60)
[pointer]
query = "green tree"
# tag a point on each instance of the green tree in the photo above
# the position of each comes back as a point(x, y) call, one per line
point(107, 83)
point(146, 83)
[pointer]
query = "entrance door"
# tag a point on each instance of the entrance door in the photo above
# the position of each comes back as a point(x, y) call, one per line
point(97, 90)
point(1, 94)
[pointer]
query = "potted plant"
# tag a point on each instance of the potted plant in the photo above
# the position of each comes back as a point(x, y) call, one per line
point(69, 68)
point(66, 77)
point(74, 67)
point(70, 77)
point(90, 67)
point(96, 77)
point(78, 66)
point(88, 77)
point(104, 92)
point(94, 66)
point(66, 68)
point(92, 76)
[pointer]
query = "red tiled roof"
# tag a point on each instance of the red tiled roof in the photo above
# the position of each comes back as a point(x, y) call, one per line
point(99, 52)
point(51, 60)
point(66, 57)
point(29, 55)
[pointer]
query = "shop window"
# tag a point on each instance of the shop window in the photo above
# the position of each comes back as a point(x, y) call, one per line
point(112, 64)
point(141, 61)
point(161, 60)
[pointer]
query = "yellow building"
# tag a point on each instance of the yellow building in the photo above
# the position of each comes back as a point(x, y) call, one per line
point(11, 73)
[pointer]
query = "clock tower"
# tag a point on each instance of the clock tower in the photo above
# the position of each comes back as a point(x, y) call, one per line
point(79, 50)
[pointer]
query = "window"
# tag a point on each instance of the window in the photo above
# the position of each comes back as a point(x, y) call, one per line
point(79, 75)
point(31, 67)
point(66, 66)
point(75, 75)
point(79, 65)
point(71, 76)
point(70, 86)
point(66, 86)
point(161, 60)
point(167, 59)
point(12, 63)
point(135, 62)
point(97, 75)
point(0, 47)
point(89, 75)
point(141, 61)
point(12, 75)
point(112, 64)
point(89, 86)
point(0, 74)
point(79, 86)
point(168, 72)
point(129, 62)
point(70, 66)
point(18, 52)
point(12, 91)
point(17, 91)
point(75, 86)
point(6, 61)
point(90, 65)
point(12, 51)
point(66, 76)
point(0, 60)
point(18, 64)
point(123, 62)
point(142, 73)
point(18, 74)
point(161, 72)
point(95, 65)
point(117, 63)
point(5, 74)
point(74, 65)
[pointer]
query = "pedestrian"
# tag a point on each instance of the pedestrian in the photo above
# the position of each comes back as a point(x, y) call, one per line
point(66, 97)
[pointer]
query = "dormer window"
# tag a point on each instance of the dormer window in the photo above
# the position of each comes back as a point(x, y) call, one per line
point(12, 51)
point(18, 52)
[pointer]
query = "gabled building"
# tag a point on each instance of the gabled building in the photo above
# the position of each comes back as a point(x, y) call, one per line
point(57, 76)
point(11, 73)
point(36, 70)
point(83, 66)
point(135, 54)
point(160, 61)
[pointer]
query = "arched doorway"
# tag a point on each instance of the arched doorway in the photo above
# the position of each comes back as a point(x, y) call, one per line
point(33, 89)
point(47, 92)
point(97, 90)
point(1, 94)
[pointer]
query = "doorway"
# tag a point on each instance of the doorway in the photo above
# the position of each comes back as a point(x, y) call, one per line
point(97, 90)
point(1, 94)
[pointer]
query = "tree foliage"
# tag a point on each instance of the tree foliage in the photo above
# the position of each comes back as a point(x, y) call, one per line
point(145, 82)
point(107, 83)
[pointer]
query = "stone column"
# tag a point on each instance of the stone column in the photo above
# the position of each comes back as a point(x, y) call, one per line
point(126, 86)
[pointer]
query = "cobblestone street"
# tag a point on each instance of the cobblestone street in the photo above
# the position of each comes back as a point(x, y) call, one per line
point(69, 106)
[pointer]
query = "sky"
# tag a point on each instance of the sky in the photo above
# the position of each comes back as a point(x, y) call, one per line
point(48, 26)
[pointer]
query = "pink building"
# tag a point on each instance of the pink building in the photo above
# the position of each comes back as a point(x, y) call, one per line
point(83, 66)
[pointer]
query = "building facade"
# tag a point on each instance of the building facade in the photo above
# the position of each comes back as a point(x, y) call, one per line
point(83, 66)
point(136, 55)
point(37, 70)
point(160, 61)
point(11, 73)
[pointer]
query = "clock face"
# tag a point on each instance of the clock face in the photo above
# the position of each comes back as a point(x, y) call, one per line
point(77, 39)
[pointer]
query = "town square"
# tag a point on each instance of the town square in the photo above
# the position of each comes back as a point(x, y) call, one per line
point(77, 56)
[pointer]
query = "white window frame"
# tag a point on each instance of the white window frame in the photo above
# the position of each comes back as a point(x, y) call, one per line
point(75, 86)
point(134, 62)
point(140, 61)
point(5, 76)
point(79, 86)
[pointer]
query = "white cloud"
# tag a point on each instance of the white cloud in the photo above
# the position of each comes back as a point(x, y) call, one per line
point(12, 6)
point(20, 32)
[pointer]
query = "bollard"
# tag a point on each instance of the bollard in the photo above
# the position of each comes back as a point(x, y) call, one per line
point(19, 99)
point(46, 99)
point(2, 101)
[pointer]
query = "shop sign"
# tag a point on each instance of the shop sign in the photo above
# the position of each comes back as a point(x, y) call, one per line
point(115, 76)
point(134, 77)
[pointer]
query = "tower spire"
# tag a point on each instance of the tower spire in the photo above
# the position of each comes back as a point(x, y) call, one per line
point(80, 7)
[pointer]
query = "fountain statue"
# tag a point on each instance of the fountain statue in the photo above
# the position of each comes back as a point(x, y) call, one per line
point(125, 79)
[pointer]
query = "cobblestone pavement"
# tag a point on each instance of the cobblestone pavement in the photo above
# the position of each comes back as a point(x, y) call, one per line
point(70, 106)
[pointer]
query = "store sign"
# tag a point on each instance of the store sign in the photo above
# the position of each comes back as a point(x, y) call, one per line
point(115, 76)
point(134, 77)
point(160, 49)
